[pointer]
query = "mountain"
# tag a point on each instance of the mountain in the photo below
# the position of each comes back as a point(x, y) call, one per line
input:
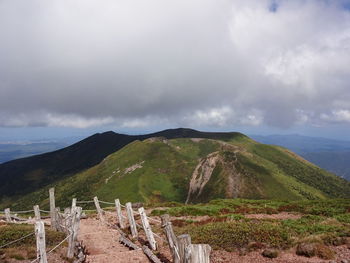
point(22, 176)
point(189, 166)
point(12, 151)
point(332, 155)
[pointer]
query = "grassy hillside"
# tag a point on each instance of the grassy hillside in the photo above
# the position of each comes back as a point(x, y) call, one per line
point(196, 170)
point(22, 176)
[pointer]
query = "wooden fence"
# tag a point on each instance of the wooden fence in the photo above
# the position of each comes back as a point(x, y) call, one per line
point(181, 248)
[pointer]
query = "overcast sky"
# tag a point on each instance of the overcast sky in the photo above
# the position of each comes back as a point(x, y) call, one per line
point(133, 65)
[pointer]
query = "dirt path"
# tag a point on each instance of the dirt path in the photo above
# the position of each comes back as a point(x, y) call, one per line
point(103, 246)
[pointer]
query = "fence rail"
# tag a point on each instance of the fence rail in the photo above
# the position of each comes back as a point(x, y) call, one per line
point(182, 250)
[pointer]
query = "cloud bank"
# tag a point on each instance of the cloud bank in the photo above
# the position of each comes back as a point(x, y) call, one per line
point(220, 63)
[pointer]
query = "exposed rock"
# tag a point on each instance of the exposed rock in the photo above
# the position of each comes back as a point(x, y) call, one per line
point(133, 167)
point(270, 253)
point(255, 245)
point(324, 252)
point(305, 249)
point(339, 241)
point(202, 174)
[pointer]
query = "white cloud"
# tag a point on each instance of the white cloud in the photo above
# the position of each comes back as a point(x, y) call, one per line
point(337, 116)
point(52, 120)
point(137, 64)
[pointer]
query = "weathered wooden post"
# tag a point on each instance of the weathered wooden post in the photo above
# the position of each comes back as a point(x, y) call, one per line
point(198, 253)
point(183, 241)
point(99, 210)
point(59, 220)
point(147, 228)
point(74, 203)
point(52, 208)
point(119, 213)
point(40, 242)
point(74, 228)
point(8, 215)
point(65, 219)
point(37, 212)
point(131, 218)
point(172, 240)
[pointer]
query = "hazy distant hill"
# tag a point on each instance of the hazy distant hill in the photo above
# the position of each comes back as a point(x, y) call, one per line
point(176, 165)
point(332, 155)
point(12, 151)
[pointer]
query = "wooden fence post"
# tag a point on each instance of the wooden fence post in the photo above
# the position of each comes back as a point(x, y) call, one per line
point(40, 241)
point(52, 208)
point(59, 220)
point(183, 241)
point(198, 253)
point(65, 219)
point(147, 228)
point(37, 212)
point(172, 239)
point(8, 215)
point(119, 213)
point(74, 228)
point(131, 218)
point(99, 210)
point(74, 203)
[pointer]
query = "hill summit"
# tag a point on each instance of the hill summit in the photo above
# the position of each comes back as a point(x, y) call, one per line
point(181, 165)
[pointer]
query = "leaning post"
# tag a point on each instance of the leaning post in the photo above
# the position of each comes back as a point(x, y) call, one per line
point(131, 218)
point(99, 210)
point(171, 238)
point(147, 228)
point(119, 213)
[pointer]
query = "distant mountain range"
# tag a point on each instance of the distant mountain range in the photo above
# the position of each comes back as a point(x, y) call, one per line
point(182, 165)
point(11, 150)
point(332, 155)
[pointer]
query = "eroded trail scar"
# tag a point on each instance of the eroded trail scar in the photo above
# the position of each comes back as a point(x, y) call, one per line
point(103, 246)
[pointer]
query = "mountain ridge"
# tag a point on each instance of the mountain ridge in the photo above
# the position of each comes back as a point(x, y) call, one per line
point(195, 170)
point(28, 174)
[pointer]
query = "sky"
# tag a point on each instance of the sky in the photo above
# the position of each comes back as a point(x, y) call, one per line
point(75, 67)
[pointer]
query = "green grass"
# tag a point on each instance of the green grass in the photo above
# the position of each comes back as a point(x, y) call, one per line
point(227, 228)
point(12, 232)
point(263, 172)
point(329, 207)
point(237, 234)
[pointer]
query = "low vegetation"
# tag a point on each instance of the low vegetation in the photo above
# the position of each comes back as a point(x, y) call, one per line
point(225, 224)
point(26, 248)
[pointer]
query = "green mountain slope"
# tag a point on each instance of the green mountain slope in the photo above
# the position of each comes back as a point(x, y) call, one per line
point(197, 170)
point(26, 175)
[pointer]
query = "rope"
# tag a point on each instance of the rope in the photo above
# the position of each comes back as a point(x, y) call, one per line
point(122, 205)
point(34, 260)
point(84, 202)
point(59, 244)
point(93, 210)
point(104, 202)
point(21, 212)
point(12, 242)
point(155, 220)
point(44, 211)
